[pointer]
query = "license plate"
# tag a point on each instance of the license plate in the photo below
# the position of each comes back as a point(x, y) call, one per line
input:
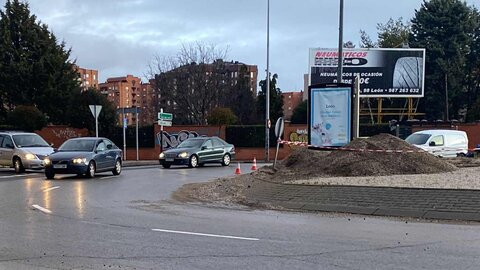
point(60, 166)
point(169, 159)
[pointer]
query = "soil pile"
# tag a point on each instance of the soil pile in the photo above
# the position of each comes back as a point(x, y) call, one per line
point(312, 163)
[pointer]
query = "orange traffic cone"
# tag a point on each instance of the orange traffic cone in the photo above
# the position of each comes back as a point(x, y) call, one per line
point(254, 166)
point(237, 170)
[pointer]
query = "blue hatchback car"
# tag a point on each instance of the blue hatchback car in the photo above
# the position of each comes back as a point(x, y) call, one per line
point(84, 156)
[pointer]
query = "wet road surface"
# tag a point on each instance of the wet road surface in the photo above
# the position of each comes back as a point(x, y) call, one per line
point(130, 222)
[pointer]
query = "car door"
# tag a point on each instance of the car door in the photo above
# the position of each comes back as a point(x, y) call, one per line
point(206, 151)
point(437, 145)
point(7, 150)
point(111, 154)
point(2, 150)
point(218, 149)
point(101, 155)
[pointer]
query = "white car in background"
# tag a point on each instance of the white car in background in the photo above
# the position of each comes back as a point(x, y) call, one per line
point(442, 143)
point(23, 150)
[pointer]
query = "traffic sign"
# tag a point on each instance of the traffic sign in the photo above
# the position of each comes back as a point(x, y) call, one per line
point(164, 123)
point(95, 109)
point(279, 126)
point(165, 116)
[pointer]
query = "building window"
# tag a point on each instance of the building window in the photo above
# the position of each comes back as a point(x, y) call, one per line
point(251, 74)
point(87, 75)
point(94, 76)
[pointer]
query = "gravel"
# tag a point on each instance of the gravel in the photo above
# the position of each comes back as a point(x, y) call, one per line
point(353, 168)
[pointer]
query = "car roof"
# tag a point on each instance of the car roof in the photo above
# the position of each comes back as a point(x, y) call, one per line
point(18, 133)
point(440, 131)
point(88, 138)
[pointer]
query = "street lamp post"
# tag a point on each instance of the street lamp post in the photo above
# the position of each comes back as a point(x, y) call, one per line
point(340, 45)
point(267, 92)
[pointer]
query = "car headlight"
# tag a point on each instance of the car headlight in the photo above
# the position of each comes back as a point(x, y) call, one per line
point(30, 156)
point(80, 161)
point(47, 161)
point(162, 155)
point(183, 155)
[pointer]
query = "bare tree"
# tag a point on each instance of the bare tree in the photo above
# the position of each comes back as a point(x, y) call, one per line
point(192, 82)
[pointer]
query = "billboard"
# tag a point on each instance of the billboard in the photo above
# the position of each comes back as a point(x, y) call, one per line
point(330, 115)
point(383, 72)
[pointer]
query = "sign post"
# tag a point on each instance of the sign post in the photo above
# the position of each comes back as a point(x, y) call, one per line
point(124, 120)
point(95, 109)
point(279, 127)
point(164, 119)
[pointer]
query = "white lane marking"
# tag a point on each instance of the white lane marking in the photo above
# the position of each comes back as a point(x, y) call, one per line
point(207, 234)
point(108, 177)
point(52, 188)
point(38, 207)
point(17, 175)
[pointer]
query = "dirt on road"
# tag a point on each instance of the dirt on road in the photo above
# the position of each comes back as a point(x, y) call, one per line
point(304, 164)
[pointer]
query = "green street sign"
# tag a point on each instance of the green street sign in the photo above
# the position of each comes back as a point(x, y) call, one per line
point(165, 116)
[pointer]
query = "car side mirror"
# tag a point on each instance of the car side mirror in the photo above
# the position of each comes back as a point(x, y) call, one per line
point(9, 146)
point(109, 146)
point(204, 147)
point(55, 149)
point(432, 144)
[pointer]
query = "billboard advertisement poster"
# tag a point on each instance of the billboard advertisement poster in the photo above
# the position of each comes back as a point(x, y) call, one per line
point(383, 72)
point(330, 115)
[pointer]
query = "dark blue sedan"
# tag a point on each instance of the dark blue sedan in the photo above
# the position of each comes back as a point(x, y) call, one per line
point(84, 156)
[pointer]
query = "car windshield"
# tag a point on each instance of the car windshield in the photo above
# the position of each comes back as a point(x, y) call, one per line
point(77, 145)
point(29, 140)
point(418, 138)
point(191, 143)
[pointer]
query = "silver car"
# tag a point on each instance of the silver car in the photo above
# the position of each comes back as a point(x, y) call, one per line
point(23, 150)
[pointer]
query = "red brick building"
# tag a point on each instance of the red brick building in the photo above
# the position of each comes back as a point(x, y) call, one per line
point(88, 77)
point(130, 92)
point(290, 101)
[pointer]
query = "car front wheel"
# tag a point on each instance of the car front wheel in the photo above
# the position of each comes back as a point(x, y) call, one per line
point(226, 160)
point(118, 167)
point(18, 165)
point(49, 173)
point(91, 170)
point(166, 165)
point(193, 161)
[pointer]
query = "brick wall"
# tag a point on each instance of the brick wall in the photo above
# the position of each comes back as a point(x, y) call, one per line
point(56, 135)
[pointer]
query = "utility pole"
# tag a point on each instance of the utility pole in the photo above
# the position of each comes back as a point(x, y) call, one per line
point(340, 45)
point(267, 92)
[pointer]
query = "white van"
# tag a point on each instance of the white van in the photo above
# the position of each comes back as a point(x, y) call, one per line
point(442, 143)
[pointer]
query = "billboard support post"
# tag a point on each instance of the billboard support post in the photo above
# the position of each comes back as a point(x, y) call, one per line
point(356, 108)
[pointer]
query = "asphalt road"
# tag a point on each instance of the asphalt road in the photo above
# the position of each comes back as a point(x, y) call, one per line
point(130, 222)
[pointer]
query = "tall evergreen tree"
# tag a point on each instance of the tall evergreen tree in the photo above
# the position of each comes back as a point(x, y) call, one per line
point(446, 29)
point(276, 100)
point(34, 68)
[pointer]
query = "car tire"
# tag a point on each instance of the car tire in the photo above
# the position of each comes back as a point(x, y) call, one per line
point(18, 165)
point(226, 160)
point(91, 170)
point(49, 173)
point(193, 162)
point(166, 165)
point(118, 167)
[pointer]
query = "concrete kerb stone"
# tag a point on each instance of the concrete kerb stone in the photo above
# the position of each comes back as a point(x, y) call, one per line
point(377, 201)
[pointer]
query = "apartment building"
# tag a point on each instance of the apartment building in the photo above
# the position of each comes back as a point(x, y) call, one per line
point(290, 101)
point(129, 92)
point(88, 77)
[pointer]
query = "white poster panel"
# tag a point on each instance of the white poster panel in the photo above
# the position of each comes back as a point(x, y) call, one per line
point(330, 119)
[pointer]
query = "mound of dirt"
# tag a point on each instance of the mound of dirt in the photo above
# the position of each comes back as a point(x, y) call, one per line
point(312, 163)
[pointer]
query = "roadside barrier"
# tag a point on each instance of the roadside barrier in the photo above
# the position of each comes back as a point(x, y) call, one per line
point(304, 144)
point(254, 165)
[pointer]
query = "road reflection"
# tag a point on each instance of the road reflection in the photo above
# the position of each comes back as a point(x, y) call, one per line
point(79, 199)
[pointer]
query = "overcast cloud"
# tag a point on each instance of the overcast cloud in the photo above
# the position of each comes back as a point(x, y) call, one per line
point(120, 37)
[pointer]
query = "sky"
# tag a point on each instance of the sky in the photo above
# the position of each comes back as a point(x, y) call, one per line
point(120, 37)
